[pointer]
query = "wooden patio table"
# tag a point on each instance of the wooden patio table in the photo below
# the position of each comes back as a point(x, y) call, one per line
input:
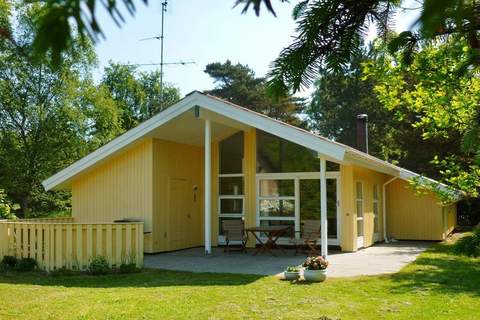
point(273, 233)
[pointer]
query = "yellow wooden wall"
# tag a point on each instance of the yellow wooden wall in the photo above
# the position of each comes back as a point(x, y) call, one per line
point(348, 215)
point(413, 217)
point(369, 178)
point(119, 188)
point(350, 175)
point(451, 219)
point(175, 160)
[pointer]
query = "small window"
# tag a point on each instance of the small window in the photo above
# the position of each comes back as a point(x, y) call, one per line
point(231, 186)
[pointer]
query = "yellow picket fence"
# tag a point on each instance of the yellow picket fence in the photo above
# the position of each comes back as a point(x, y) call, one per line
point(71, 245)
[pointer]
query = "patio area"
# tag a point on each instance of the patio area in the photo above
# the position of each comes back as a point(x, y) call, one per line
point(379, 259)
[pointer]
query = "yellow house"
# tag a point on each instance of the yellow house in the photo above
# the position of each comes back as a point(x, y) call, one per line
point(205, 160)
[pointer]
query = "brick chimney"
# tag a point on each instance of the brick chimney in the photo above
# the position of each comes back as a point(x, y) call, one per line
point(362, 132)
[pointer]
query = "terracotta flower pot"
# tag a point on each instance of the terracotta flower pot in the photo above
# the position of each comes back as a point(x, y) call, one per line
point(315, 275)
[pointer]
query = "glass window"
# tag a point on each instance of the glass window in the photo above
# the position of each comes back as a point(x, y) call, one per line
point(231, 206)
point(310, 203)
point(277, 188)
point(359, 208)
point(231, 154)
point(375, 209)
point(276, 155)
point(231, 186)
point(360, 228)
point(277, 208)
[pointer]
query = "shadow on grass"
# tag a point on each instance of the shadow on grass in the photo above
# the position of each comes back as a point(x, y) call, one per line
point(146, 279)
point(440, 270)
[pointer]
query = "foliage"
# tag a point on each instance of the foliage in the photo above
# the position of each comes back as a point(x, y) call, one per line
point(126, 268)
point(237, 83)
point(441, 103)
point(469, 245)
point(5, 207)
point(315, 263)
point(292, 269)
point(49, 117)
point(329, 34)
point(98, 265)
point(138, 95)
point(9, 262)
point(26, 265)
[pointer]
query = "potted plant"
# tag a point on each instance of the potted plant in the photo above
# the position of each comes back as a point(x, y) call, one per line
point(315, 269)
point(292, 273)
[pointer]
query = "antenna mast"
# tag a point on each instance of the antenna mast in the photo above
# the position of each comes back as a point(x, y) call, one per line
point(164, 9)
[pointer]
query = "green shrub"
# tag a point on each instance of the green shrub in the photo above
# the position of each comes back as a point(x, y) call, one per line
point(128, 268)
point(9, 262)
point(64, 271)
point(469, 245)
point(98, 266)
point(26, 265)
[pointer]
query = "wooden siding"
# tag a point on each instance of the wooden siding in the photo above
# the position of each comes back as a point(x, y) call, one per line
point(450, 218)
point(413, 217)
point(120, 188)
point(177, 161)
point(348, 241)
point(369, 178)
point(72, 245)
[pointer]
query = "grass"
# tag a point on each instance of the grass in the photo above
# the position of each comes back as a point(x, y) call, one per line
point(438, 285)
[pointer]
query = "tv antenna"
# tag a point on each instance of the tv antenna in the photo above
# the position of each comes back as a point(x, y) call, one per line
point(162, 63)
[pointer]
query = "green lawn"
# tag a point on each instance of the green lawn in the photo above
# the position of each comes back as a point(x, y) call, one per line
point(439, 285)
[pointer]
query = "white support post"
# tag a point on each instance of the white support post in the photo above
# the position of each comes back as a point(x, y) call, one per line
point(208, 188)
point(323, 207)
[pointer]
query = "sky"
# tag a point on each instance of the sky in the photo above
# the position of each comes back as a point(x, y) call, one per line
point(203, 31)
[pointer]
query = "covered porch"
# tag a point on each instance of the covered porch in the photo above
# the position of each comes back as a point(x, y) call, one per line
point(237, 171)
point(379, 259)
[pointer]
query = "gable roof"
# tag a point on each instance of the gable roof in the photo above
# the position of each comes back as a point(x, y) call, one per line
point(331, 150)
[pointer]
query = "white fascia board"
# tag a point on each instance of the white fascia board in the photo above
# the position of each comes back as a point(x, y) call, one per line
point(119, 143)
point(298, 136)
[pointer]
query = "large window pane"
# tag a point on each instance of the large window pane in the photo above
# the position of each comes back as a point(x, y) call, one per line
point(277, 188)
point(231, 206)
point(231, 154)
point(291, 223)
point(277, 208)
point(310, 203)
point(231, 186)
point(278, 155)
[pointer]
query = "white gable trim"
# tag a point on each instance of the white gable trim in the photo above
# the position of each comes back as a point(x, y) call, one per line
point(118, 143)
point(304, 138)
point(325, 147)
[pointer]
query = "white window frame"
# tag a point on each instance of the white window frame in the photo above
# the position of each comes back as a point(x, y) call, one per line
point(297, 176)
point(360, 239)
point(221, 238)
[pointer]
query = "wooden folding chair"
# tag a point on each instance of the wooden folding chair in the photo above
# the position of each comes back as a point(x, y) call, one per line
point(309, 236)
point(234, 230)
